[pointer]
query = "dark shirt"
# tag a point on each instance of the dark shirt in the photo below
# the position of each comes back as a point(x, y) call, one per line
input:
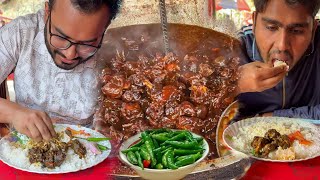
point(302, 84)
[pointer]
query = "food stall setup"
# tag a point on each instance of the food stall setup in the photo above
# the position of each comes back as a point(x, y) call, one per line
point(184, 84)
point(166, 110)
point(182, 75)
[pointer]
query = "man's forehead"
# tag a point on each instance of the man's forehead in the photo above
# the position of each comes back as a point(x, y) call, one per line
point(295, 11)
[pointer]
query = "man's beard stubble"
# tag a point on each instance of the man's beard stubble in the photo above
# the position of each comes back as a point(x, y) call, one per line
point(54, 53)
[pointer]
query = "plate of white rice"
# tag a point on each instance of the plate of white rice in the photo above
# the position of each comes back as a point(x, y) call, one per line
point(17, 156)
point(238, 136)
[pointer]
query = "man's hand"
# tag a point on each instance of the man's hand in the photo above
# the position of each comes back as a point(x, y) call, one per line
point(269, 114)
point(258, 76)
point(35, 124)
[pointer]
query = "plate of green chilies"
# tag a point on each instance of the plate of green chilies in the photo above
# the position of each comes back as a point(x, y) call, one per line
point(164, 151)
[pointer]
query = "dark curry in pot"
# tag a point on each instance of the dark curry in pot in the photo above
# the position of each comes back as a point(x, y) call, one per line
point(186, 89)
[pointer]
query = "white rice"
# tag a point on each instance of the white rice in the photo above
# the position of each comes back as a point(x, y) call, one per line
point(243, 139)
point(17, 157)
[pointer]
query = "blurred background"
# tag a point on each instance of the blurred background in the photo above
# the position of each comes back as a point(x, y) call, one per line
point(208, 13)
point(222, 15)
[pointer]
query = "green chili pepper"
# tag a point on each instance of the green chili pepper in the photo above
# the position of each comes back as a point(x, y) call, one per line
point(132, 158)
point(170, 160)
point(180, 152)
point(174, 133)
point(150, 151)
point(159, 156)
point(179, 158)
point(146, 138)
point(164, 159)
point(189, 136)
point(144, 154)
point(143, 146)
point(102, 148)
point(140, 143)
point(139, 159)
point(161, 137)
point(159, 166)
point(157, 131)
point(155, 143)
point(253, 152)
point(199, 140)
point(149, 131)
point(179, 136)
point(184, 145)
point(195, 156)
point(15, 134)
point(159, 149)
point(185, 161)
point(131, 149)
point(167, 149)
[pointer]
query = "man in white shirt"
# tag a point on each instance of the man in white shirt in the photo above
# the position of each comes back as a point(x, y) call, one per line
point(56, 72)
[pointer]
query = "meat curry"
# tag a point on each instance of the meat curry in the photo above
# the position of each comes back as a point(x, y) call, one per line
point(186, 89)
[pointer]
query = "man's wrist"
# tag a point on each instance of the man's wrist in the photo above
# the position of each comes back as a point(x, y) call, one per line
point(269, 114)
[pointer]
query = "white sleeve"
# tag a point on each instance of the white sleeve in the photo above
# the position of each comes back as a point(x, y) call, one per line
point(9, 48)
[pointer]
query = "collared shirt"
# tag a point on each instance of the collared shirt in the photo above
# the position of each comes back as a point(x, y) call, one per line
point(70, 95)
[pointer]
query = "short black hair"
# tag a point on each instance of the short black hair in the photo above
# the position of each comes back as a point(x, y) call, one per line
point(90, 6)
point(311, 5)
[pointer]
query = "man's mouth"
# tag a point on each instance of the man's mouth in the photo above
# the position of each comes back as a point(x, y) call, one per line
point(67, 61)
point(279, 62)
point(64, 60)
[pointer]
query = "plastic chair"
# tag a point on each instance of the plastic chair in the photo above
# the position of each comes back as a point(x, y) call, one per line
point(4, 128)
point(4, 90)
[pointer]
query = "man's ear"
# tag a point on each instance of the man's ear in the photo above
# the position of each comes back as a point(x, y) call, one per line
point(315, 26)
point(254, 20)
point(46, 11)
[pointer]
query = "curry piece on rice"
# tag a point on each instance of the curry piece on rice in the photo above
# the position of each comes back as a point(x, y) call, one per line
point(52, 153)
point(272, 139)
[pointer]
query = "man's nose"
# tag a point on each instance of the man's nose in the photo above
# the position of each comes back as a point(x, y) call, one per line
point(71, 52)
point(283, 41)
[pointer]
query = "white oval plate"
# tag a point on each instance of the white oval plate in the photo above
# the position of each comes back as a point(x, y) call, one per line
point(84, 164)
point(236, 129)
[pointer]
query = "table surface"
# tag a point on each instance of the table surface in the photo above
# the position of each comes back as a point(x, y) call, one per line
point(100, 171)
point(305, 170)
point(309, 169)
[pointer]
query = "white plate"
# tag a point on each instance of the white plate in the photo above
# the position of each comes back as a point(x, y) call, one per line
point(235, 129)
point(83, 165)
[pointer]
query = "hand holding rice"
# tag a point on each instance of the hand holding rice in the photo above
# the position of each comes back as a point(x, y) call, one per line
point(278, 63)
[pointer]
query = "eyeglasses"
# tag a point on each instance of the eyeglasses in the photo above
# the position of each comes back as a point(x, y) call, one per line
point(84, 50)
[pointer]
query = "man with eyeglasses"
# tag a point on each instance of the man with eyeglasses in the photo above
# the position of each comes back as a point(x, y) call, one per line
point(52, 54)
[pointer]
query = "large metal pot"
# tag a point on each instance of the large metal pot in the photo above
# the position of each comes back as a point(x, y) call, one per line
point(183, 39)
